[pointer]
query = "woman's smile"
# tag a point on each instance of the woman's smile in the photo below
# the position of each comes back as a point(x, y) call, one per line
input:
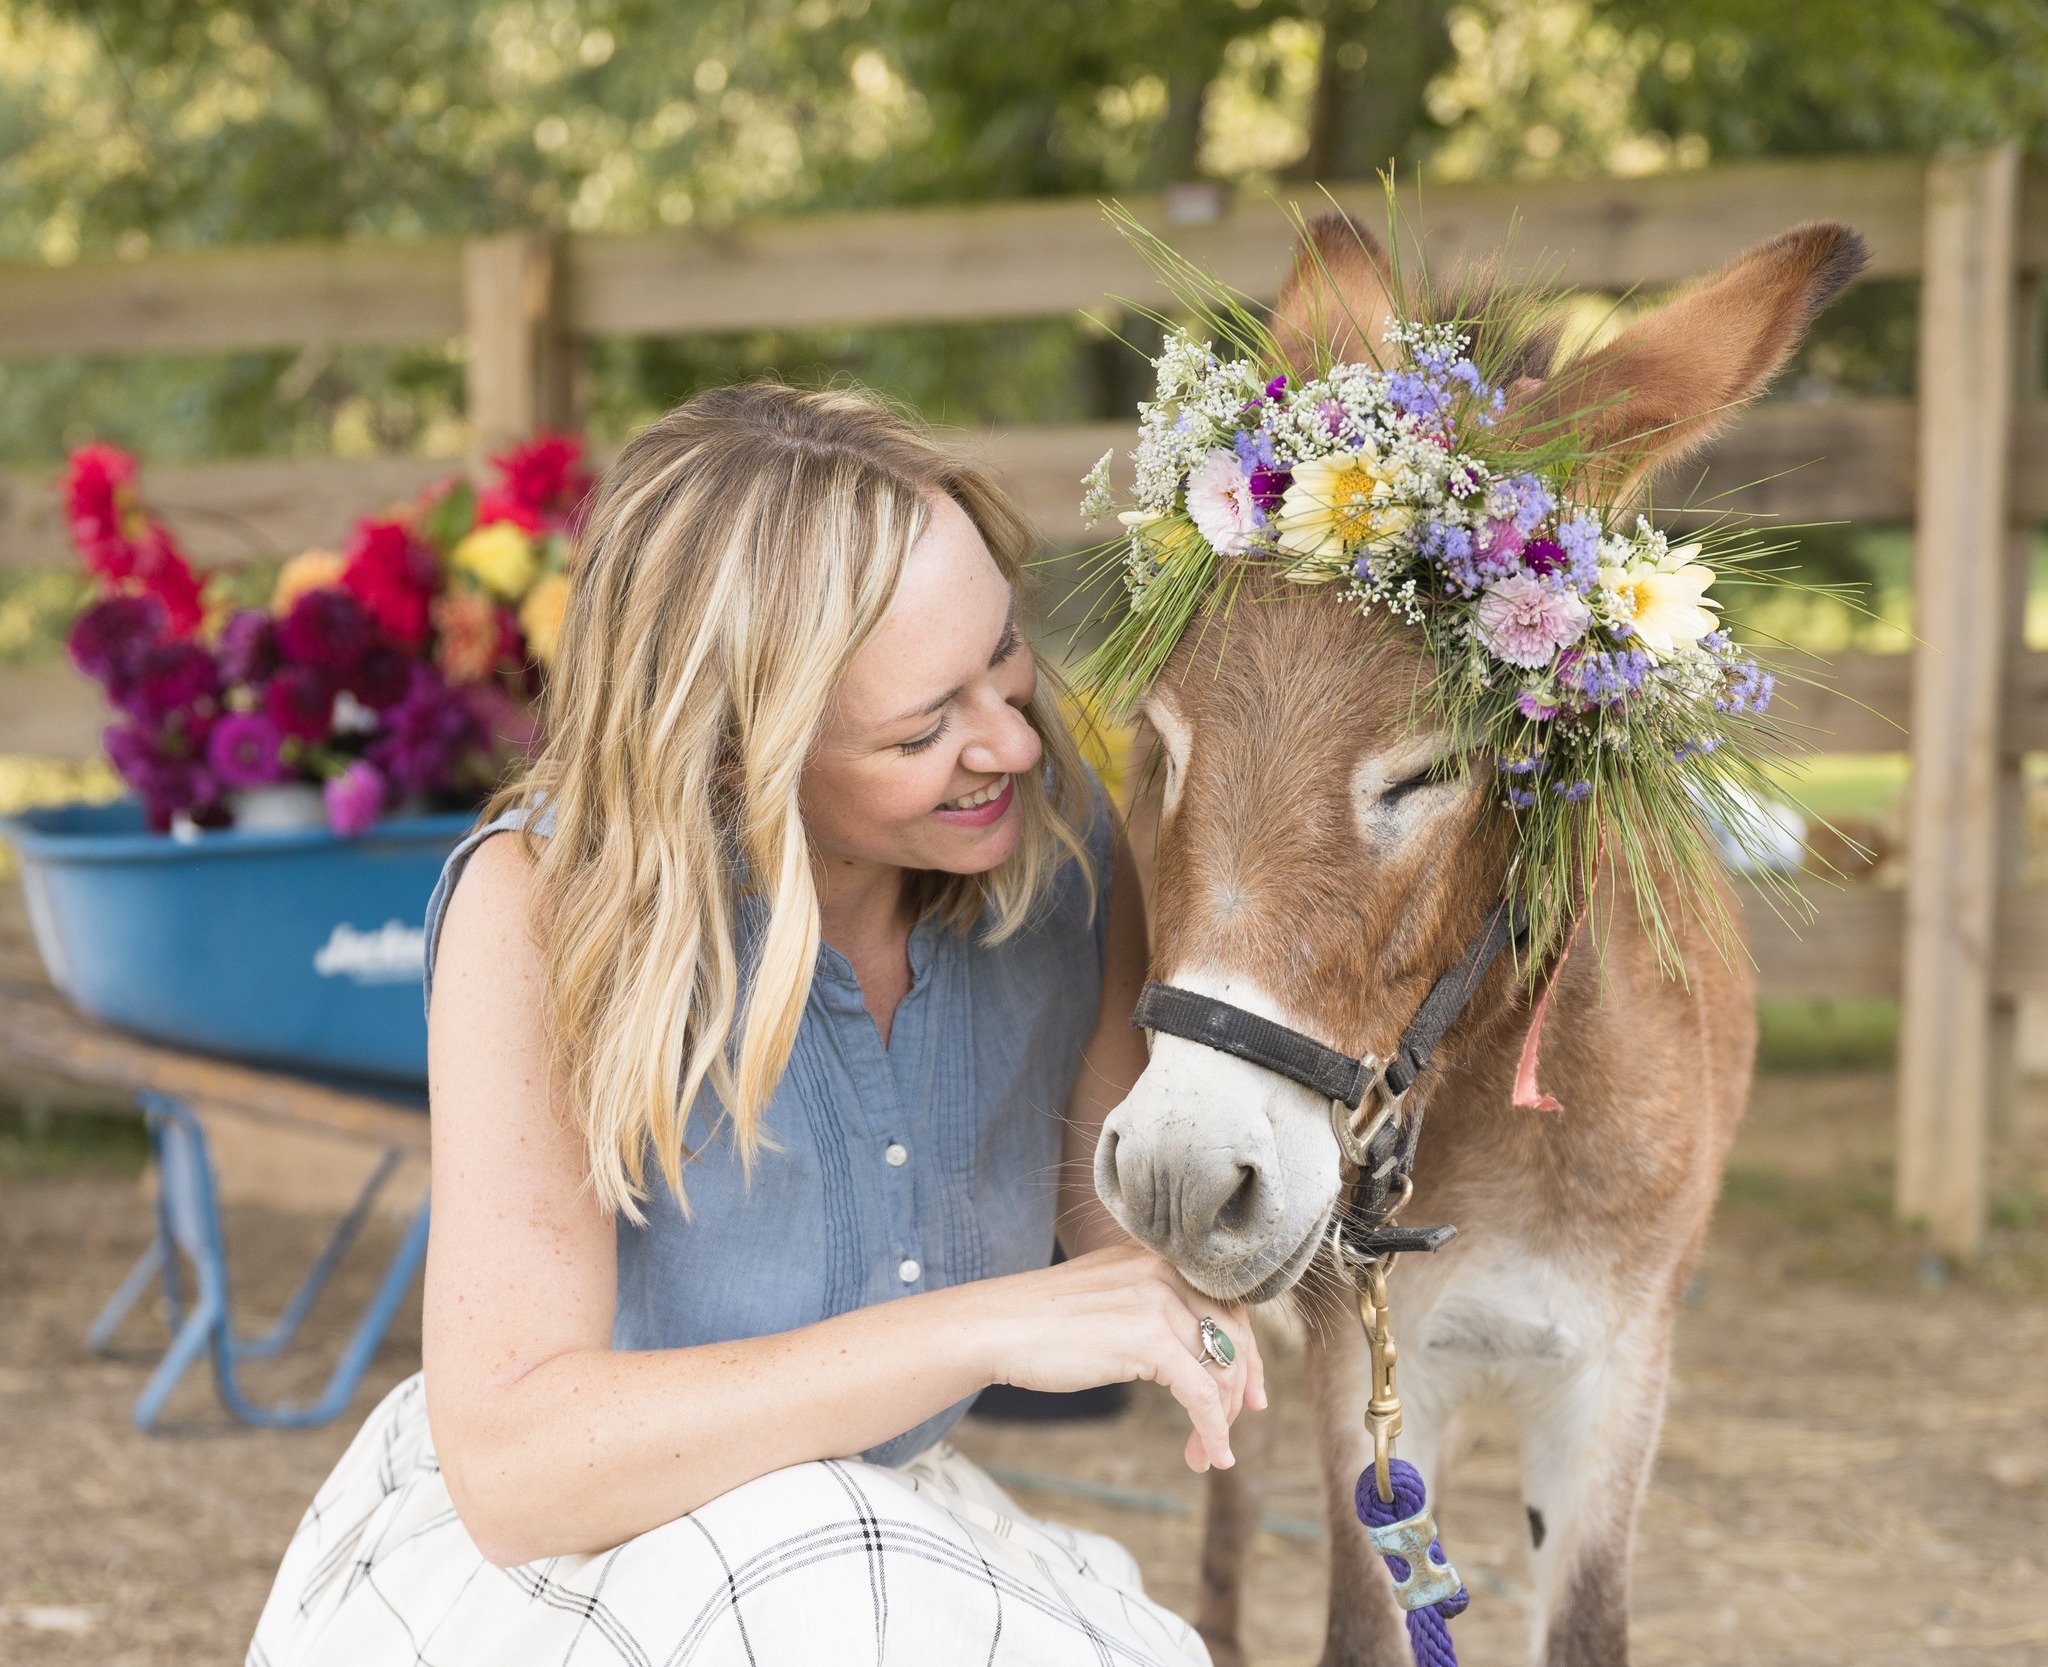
point(981, 808)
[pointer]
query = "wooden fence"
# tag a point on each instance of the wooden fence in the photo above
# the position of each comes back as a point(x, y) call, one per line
point(1966, 466)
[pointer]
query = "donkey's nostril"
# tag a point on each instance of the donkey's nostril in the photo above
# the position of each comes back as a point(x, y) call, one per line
point(1236, 1210)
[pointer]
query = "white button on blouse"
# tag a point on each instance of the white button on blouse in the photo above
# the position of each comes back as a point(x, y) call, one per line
point(895, 1154)
point(907, 1270)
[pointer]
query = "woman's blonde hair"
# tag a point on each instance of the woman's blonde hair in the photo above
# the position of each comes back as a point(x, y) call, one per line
point(735, 557)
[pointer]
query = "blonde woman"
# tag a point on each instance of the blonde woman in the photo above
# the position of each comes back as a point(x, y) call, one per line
point(779, 1007)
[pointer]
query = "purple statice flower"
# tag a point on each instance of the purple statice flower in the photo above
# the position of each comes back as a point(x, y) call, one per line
point(1443, 377)
point(1534, 707)
point(1748, 689)
point(1544, 557)
point(300, 701)
point(326, 628)
point(1579, 538)
point(247, 649)
point(108, 641)
point(354, 798)
point(1525, 623)
point(1606, 678)
point(1276, 387)
point(1572, 792)
point(1449, 550)
point(1254, 448)
point(245, 749)
point(1418, 396)
point(169, 677)
point(1333, 417)
point(427, 735)
point(1522, 499)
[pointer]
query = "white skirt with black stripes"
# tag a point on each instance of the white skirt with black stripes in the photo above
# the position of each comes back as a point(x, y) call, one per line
point(925, 1565)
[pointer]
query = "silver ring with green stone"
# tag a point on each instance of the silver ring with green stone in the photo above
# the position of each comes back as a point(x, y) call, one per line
point(1217, 1348)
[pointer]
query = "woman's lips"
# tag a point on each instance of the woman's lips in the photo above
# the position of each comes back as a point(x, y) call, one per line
point(981, 815)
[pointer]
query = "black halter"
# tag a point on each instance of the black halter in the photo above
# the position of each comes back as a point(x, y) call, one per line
point(1382, 1143)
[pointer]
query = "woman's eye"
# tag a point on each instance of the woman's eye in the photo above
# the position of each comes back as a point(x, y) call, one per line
point(924, 742)
point(1012, 641)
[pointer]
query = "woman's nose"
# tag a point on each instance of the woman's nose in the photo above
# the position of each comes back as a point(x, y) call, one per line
point(1007, 744)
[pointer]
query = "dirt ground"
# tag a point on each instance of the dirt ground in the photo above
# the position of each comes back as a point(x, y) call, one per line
point(1855, 1468)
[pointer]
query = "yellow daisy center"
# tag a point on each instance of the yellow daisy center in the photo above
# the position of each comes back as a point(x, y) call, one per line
point(1351, 511)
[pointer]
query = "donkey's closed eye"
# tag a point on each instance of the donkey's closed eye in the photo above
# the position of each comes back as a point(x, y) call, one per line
point(1444, 772)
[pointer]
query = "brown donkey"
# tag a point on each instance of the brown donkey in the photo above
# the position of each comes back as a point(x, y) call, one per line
point(1321, 864)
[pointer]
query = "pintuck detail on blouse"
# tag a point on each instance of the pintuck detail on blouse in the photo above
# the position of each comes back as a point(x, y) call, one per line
point(887, 1170)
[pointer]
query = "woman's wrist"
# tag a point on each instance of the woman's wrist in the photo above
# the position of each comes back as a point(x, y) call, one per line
point(965, 1323)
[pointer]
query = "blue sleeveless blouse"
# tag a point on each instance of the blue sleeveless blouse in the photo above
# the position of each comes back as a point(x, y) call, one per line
point(889, 1170)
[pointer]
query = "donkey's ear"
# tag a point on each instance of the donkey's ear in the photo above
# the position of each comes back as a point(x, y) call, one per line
point(1666, 384)
point(1337, 297)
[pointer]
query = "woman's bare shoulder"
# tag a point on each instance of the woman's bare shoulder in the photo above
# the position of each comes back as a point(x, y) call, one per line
point(486, 939)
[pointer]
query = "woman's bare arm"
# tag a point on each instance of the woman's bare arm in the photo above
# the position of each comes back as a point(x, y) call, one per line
point(551, 1441)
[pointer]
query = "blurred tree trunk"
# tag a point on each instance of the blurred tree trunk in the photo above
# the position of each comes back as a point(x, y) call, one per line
point(1378, 59)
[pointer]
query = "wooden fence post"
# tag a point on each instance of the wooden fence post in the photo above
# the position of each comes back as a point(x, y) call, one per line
point(519, 371)
point(1961, 551)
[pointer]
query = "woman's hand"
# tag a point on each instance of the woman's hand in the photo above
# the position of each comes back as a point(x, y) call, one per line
point(1111, 1316)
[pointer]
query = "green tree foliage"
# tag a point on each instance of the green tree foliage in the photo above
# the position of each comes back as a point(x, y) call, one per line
point(133, 125)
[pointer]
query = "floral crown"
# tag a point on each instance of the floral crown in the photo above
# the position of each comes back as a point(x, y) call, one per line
point(1575, 647)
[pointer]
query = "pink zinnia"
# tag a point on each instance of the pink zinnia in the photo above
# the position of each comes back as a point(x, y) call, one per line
point(1525, 624)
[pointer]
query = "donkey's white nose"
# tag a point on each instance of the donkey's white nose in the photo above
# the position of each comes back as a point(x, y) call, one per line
point(1187, 1192)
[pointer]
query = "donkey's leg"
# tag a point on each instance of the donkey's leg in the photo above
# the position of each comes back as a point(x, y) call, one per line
point(1589, 1434)
point(1230, 1530)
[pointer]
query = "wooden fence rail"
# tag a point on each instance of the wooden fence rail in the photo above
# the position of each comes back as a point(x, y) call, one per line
point(1967, 465)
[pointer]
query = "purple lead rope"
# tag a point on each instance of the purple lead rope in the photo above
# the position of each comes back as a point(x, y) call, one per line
point(1428, 1634)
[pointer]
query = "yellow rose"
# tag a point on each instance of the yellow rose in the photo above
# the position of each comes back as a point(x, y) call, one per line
point(313, 570)
point(540, 615)
point(499, 557)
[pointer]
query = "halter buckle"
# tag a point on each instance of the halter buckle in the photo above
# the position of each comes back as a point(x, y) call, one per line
point(1376, 1107)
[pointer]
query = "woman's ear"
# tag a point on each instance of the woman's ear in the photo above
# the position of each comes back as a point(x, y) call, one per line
point(1664, 386)
point(1336, 298)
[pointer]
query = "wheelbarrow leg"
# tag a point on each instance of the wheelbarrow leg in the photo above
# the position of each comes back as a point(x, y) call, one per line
point(189, 1222)
point(287, 1323)
point(201, 1327)
point(147, 1266)
point(355, 1358)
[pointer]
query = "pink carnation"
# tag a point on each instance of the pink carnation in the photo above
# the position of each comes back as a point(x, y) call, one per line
point(1525, 623)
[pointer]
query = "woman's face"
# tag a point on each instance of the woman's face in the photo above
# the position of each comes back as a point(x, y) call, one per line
point(915, 765)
